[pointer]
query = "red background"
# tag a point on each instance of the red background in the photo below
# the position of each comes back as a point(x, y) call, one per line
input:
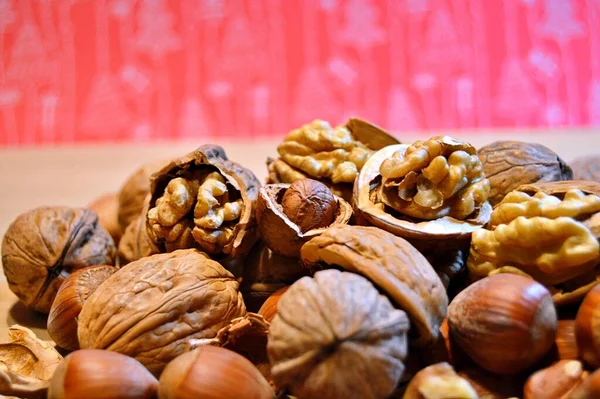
point(81, 70)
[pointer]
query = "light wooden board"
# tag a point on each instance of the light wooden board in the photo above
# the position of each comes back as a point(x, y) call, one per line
point(74, 176)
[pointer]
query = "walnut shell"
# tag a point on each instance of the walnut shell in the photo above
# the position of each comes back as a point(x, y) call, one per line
point(509, 164)
point(134, 191)
point(135, 243)
point(152, 308)
point(203, 200)
point(107, 207)
point(331, 155)
point(445, 232)
point(348, 340)
point(278, 232)
point(392, 264)
point(586, 168)
point(43, 246)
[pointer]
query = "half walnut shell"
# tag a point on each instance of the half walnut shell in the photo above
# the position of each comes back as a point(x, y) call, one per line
point(278, 232)
point(446, 232)
point(204, 201)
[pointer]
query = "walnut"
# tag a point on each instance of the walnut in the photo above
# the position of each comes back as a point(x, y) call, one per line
point(509, 164)
point(333, 155)
point(107, 207)
point(542, 237)
point(153, 307)
point(392, 264)
point(135, 243)
point(42, 246)
point(288, 216)
point(432, 193)
point(434, 178)
point(203, 201)
point(348, 340)
point(134, 191)
point(586, 168)
point(439, 381)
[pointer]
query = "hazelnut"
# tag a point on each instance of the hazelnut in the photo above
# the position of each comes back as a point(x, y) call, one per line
point(62, 320)
point(212, 372)
point(95, 374)
point(505, 322)
point(444, 350)
point(589, 388)
point(269, 309)
point(587, 329)
point(493, 386)
point(309, 204)
point(439, 381)
point(555, 381)
point(566, 342)
point(287, 219)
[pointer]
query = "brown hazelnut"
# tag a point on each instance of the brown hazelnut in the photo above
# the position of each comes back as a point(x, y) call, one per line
point(439, 381)
point(555, 381)
point(493, 386)
point(309, 204)
point(444, 350)
point(566, 341)
point(269, 309)
point(62, 320)
point(95, 374)
point(212, 372)
point(284, 235)
point(587, 328)
point(107, 209)
point(505, 322)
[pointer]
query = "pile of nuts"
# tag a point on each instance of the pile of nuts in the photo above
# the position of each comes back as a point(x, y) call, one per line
point(363, 268)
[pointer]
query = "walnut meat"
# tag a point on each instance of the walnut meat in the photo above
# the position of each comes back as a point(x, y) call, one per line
point(540, 236)
point(348, 340)
point(509, 164)
point(152, 308)
point(205, 201)
point(392, 264)
point(432, 193)
point(434, 178)
point(333, 155)
point(43, 246)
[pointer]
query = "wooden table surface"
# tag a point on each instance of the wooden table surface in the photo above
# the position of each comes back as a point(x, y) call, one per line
point(74, 176)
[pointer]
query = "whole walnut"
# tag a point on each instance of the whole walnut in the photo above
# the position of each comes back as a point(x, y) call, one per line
point(509, 164)
point(586, 168)
point(133, 192)
point(335, 336)
point(309, 204)
point(43, 246)
point(107, 208)
point(154, 308)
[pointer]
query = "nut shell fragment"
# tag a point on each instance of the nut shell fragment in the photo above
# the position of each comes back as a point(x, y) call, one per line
point(392, 264)
point(439, 381)
point(348, 340)
point(151, 308)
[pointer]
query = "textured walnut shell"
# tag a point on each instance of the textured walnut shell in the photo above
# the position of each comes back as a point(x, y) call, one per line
point(280, 234)
point(392, 264)
point(134, 191)
point(335, 336)
point(107, 208)
point(43, 246)
point(135, 243)
point(444, 232)
point(509, 164)
point(151, 308)
point(266, 272)
point(586, 168)
point(62, 320)
point(241, 179)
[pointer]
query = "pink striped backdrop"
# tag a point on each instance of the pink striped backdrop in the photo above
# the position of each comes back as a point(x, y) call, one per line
point(113, 70)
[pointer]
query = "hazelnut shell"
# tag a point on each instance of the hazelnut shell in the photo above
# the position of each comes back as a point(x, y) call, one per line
point(269, 309)
point(587, 328)
point(278, 232)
